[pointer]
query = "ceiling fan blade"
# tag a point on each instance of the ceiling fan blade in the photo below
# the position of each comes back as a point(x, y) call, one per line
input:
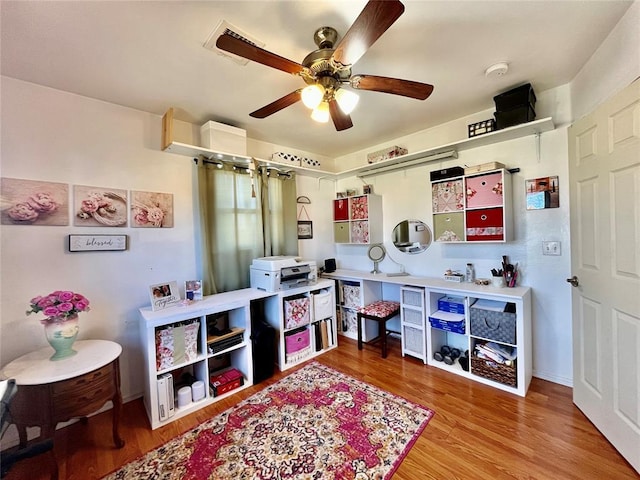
point(396, 86)
point(373, 21)
point(341, 120)
point(243, 49)
point(278, 105)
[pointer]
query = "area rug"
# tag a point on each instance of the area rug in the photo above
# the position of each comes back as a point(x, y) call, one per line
point(315, 423)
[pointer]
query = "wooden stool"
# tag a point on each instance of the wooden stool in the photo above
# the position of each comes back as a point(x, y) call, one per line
point(380, 311)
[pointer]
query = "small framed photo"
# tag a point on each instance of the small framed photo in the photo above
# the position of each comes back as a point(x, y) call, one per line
point(97, 243)
point(366, 189)
point(305, 229)
point(193, 290)
point(164, 295)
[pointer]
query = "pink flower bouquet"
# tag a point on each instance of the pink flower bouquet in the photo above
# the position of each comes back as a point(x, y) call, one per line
point(58, 306)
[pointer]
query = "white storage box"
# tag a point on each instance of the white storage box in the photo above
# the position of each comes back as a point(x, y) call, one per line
point(322, 306)
point(223, 138)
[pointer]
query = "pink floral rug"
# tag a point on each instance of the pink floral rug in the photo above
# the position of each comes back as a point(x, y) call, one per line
point(316, 423)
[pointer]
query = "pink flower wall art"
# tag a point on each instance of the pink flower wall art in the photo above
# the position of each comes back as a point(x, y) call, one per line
point(99, 207)
point(151, 210)
point(30, 202)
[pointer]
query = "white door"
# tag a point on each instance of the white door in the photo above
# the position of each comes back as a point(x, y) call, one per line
point(604, 175)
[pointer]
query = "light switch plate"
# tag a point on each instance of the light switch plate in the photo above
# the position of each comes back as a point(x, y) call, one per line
point(551, 248)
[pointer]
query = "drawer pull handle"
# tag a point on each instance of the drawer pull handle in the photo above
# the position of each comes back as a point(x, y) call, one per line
point(483, 217)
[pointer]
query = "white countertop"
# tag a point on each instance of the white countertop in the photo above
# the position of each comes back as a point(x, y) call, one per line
point(430, 282)
point(35, 368)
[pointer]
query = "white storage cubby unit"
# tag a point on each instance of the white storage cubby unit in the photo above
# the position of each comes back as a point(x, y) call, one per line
point(236, 306)
point(412, 316)
point(483, 319)
point(473, 208)
point(419, 301)
point(305, 322)
point(207, 356)
point(358, 219)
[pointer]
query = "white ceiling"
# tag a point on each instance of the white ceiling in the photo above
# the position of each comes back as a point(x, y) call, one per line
point(149, 55)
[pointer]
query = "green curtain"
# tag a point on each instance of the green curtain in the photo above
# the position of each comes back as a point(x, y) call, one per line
point(279, 217)
point(237, 227)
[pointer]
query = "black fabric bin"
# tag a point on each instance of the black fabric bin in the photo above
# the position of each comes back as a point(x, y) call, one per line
point(515, 116)
point(516, 97)
point(263, 342)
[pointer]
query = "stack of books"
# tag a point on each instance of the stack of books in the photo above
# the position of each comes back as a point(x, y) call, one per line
point(492, 351)
point(323, 333)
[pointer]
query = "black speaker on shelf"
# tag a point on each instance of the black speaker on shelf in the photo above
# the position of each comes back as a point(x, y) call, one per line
point(330, 265)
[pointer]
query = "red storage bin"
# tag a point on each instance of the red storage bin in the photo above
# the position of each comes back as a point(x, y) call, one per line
point(486, 224)
point(341, 209)
point(484, 190)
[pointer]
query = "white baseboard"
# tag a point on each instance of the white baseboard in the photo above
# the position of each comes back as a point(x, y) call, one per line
point(567, 382)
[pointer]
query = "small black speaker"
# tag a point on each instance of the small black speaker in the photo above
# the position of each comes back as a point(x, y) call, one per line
point(330, 265)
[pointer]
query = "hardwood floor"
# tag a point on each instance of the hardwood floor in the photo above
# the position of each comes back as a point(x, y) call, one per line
point(477, 432)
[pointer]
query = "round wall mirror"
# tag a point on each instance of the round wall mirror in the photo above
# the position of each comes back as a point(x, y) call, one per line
point(411, 236)
point(376, 254)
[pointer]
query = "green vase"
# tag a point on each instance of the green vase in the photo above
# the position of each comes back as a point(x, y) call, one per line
point(61, 334)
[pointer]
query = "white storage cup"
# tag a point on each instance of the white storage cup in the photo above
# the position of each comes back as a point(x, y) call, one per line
point(197, 390)
point(184, 397)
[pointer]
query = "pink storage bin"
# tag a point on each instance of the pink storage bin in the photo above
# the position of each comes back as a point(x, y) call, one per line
point(484, 190)
point(359, 208)
point(297, 311)
point(297, 340)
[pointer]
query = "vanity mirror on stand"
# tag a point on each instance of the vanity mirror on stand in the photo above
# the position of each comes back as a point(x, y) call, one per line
point(376, 254)
point(411, 236)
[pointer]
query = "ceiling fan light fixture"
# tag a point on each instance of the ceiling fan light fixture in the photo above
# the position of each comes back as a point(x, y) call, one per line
point(347, 100)
point(321, 113)
point(312, 95)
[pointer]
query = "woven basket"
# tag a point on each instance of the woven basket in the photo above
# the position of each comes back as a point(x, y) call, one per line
point(507, 375)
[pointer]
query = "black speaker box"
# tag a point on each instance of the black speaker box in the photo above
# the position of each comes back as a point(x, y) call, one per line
point(330, 265)
point(447, 173)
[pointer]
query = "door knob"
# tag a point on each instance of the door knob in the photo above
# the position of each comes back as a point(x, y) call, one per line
point(573, 281)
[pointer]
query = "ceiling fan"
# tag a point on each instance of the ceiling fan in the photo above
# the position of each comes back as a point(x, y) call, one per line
point(328, 69)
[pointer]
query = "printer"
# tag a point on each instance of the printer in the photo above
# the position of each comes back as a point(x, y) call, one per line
point(276, 273)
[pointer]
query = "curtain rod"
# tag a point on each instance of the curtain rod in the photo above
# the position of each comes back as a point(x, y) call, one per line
point(236, 166)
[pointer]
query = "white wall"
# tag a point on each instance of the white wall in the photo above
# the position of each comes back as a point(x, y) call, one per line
point(612, 67)
point(50, 135)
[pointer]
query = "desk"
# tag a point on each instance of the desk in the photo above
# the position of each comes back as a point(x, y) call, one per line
point(52, 392)
point(426, 337)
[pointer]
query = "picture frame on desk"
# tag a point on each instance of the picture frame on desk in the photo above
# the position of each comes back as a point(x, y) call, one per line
point(164, 295)
point(193, 290)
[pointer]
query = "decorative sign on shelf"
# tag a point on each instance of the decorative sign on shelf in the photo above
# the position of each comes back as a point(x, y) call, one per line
point(93, 243)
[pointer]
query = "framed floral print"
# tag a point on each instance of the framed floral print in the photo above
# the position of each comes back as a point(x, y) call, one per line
point(31, 202)
point(151, 210)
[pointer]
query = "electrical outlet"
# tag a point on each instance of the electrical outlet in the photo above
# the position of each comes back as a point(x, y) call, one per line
point(551, 248)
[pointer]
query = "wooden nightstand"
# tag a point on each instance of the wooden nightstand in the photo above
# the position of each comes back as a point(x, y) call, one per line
point(50, 392)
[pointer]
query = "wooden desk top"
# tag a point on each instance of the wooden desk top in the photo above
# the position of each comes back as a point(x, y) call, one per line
point(35, 368)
